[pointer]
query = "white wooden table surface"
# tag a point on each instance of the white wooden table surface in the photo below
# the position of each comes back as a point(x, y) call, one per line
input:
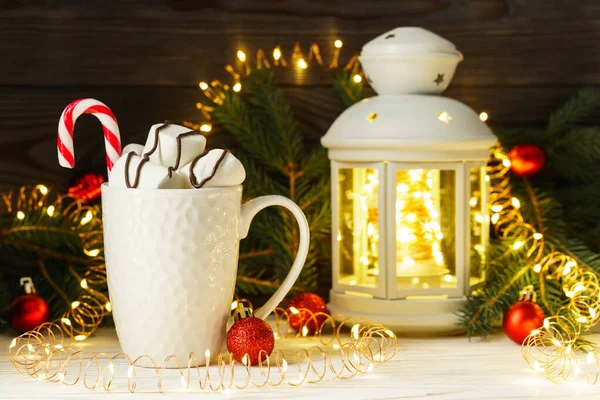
point(432, 368)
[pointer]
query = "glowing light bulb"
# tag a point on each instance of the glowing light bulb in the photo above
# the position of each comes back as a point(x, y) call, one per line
point(83, 284)
point(473, 201)
point(590, 358)
point(517, 245)
point(497, 208)
point(294, 310)
point(495, 218)
point(207, 354)
point(75, 304)
point(354, 331)
point(276, 54)
point(304, 331)
point(87, 218)
point(203, 85)
point(205, 128)
point(506, 162)
point(537, 268)
point(241, 55)
point(546, 323)
point(234, 305)
point(338, 44)
point(108, 306)
point(357, 78)
point(538, 236)
point(237, 87)
point(20, 215)
point(80, 338)
point(66, 321)
point(50, 211)
point(483, 116)
point(43, 189)
point(515, 202)
point(302, 64)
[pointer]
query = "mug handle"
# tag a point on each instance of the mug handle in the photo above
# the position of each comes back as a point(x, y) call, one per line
point(249, 210)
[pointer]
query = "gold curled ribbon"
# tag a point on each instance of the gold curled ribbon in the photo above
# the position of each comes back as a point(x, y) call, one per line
point(352, 348)
point(555, 350)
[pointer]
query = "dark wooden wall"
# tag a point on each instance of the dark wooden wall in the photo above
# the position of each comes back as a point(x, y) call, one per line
point(145, 59)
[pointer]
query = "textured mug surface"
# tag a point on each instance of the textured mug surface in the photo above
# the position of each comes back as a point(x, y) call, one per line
point(171, 261)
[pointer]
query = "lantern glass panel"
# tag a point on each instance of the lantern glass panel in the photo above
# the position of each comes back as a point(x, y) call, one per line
point(479, 224)
point(425, 217)
point(358, 227)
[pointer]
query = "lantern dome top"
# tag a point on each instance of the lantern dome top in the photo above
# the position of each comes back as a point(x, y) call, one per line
point(409, 60)
point(409, 41)
point(407, 128)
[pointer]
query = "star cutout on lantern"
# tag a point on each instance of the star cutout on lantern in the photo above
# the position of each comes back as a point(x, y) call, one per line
point(439, 79)
point(372, 117)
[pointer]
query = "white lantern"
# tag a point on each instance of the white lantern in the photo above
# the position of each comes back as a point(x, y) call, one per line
point(409, 190)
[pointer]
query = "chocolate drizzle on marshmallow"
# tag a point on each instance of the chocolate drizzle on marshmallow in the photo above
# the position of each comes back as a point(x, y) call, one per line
point(194, 179)
point(146, 158)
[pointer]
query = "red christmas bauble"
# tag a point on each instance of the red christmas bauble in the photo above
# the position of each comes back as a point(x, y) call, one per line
point(250, 336)
point(526, 159)
point(87, 187)
point(299, 318)
point(27, 312)
point(521, 318)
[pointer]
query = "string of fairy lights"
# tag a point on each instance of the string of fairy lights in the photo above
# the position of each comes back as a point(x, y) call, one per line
point(340, 350)
point(555, 350)
point(85, 312)
point(215, 89)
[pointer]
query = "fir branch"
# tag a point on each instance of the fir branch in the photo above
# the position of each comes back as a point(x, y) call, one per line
point(573, 112)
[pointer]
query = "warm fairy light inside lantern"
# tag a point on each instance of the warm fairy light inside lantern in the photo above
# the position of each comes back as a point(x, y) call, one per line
point(338, 44)
point(357, 78)
point(424, 220)
point(358, 227)
point(424, 216)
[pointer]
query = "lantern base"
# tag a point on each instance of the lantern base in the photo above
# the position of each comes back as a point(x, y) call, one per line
point(410, 317)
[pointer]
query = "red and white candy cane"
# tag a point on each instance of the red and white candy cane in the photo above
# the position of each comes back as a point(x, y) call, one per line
point(66, 124)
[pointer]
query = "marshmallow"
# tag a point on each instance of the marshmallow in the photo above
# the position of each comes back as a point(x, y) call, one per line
point(133, 147)
point(230, 172)
point(152, 176)
point(166, 151)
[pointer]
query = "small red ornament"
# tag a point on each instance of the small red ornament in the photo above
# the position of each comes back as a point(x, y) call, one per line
point(300, 317)
point(523, 317)
point(526, 159)
point(28, 311)
point(249, 336)
point(87, 187)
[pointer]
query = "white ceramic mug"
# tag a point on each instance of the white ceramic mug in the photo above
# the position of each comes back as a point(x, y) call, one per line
point(171, 260)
